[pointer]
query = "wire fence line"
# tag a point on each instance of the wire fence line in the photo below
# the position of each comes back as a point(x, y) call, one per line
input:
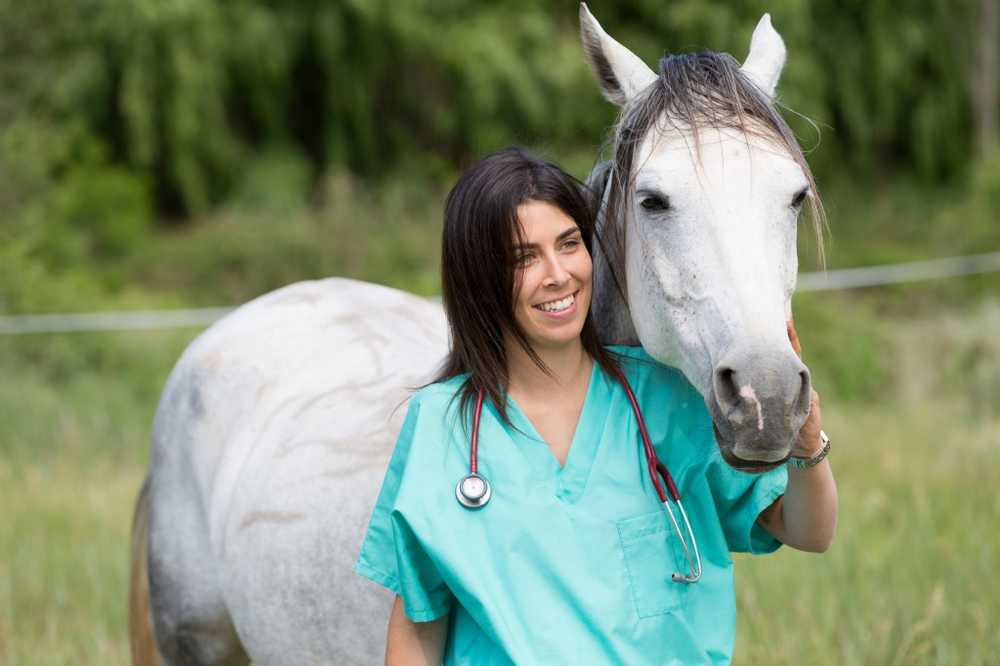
point(915, 271)
point(132, 320)
point(846, 278)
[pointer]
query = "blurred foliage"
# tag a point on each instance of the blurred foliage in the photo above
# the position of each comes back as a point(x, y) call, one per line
point(183, 94)
point(159, 153)
point(173, 152)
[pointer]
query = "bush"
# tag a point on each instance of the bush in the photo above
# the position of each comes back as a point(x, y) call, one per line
point(848, 350)
point(103, 211)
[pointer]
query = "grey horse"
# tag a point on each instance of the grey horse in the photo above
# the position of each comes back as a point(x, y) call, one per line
point(275, 426)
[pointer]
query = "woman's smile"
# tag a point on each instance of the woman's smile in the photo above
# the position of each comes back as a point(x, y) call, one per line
point(560, 307)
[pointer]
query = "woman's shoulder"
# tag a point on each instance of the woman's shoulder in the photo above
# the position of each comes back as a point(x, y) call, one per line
point(666, 395)
point(431, 413)
point(438, 390)
point(437, 398)
point(636, 362)
point(656, 381)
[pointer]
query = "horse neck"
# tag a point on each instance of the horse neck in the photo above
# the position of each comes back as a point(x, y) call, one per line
point(612, 317)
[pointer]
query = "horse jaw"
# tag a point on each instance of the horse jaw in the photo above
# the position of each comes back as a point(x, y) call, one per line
point(710, 282)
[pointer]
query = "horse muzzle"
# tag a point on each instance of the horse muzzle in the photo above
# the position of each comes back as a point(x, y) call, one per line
point(759, 400)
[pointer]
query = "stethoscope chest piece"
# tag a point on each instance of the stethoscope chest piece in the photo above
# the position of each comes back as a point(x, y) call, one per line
point(473, 491)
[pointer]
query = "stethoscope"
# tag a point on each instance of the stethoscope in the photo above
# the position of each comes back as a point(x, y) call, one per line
point(473, 491)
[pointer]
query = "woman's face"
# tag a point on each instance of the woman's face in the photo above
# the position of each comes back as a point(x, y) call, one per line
point(552, 277)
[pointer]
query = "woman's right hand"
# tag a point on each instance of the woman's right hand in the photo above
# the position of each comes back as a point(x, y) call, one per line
point(412, 643)
point(808, 443)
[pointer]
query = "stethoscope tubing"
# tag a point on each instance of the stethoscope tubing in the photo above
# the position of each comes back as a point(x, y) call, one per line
point(658, 469)
point(663, 482)
point(474, 454)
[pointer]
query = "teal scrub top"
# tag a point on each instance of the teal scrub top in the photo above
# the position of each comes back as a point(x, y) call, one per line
point(568, 564)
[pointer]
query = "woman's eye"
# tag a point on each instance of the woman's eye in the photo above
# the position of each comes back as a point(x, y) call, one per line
point(800, 197)
point(571, 244)
point(655, 204)
point(524, 259)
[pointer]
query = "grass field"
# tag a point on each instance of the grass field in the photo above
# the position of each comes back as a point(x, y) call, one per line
point(910, 578)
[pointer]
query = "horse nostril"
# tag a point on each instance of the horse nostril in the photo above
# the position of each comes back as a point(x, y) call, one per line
point(805, 391)
point(726, 391)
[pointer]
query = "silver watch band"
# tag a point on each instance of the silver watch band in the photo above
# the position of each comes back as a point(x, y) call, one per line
point(806, 463)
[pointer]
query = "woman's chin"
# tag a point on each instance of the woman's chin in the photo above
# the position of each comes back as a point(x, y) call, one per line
point(565, 336)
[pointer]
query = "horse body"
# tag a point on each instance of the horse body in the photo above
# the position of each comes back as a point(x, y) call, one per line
point(269, 446)
point(275, 427)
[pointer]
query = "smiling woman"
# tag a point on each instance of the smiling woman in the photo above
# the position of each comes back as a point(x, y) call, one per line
point(563, 546)
point(518, 237)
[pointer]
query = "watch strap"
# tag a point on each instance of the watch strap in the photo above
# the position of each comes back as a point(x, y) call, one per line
point(806, 463)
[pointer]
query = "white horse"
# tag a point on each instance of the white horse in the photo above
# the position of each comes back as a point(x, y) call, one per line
point(275, 426)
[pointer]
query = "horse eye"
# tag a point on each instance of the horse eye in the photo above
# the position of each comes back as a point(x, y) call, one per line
point(800, 197)
point(655, 204)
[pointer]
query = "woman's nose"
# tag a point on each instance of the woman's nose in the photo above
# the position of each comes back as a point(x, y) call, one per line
point(556, 273)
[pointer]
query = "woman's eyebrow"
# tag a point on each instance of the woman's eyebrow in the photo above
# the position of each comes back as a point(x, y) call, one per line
point(563, 236)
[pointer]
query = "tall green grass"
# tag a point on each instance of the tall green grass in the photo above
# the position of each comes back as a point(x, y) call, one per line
point(908, 375)
point(75, 417)
point(909, 580)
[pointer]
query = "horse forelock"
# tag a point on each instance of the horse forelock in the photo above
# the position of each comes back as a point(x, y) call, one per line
point(693, 91)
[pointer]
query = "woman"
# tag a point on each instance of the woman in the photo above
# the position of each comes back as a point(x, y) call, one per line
point(571, 558)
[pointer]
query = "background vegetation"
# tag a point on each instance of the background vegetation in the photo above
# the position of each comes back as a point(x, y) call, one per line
point(160, 153)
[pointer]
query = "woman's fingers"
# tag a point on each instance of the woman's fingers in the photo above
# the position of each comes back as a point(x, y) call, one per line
point(793, 337)
point(809, 437)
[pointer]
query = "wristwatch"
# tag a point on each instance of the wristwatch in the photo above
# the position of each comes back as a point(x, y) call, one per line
point(806, 463)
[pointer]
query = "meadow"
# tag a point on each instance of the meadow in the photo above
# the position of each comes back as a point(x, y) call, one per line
point(178, 154)
point(909, 580)
point(908, 375)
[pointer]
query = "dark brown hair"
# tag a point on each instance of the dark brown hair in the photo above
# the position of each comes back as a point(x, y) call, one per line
point(478, 266)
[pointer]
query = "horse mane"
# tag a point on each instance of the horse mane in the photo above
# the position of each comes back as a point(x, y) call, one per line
point(693, 90)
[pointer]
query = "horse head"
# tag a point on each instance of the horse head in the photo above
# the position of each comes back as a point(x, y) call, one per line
point(697, 259)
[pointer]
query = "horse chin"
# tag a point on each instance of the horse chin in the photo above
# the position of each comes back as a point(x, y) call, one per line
point(737, 463)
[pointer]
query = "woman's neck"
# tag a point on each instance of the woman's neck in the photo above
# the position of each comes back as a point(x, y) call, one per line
point(567, 364)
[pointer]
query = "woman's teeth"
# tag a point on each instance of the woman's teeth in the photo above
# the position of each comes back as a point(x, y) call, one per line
point(556, 306)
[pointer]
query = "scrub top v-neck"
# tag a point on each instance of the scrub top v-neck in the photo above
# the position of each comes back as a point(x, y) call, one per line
point(571, 476)
point(567, 564)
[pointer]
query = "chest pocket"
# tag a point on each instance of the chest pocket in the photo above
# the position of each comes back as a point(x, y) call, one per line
point(652, 554)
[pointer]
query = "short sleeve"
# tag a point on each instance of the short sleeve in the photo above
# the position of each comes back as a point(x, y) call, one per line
point(739, 498)
point(392, 555)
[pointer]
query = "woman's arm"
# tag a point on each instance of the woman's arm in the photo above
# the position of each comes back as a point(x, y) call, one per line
point(805, 518)
point(412, 643)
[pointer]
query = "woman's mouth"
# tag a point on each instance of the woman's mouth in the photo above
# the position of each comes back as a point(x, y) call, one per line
point(560, 306)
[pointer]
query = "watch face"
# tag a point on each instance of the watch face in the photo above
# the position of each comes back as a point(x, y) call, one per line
point(473, 487)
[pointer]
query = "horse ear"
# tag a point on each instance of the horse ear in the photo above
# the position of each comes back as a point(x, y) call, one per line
point(620, 73)
point(767, 56)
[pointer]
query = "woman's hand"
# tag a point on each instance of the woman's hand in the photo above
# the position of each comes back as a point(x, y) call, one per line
point(805, 517)
point(809, 443)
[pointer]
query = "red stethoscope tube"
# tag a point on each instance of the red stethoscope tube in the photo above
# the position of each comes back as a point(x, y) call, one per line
point(473, 491)
point(473, 463)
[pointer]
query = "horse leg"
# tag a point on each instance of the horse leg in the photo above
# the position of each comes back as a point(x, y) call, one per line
point(192, 623)
point(142, 641)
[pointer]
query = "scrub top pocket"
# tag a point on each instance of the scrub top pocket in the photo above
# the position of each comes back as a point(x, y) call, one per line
point(652, 555)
